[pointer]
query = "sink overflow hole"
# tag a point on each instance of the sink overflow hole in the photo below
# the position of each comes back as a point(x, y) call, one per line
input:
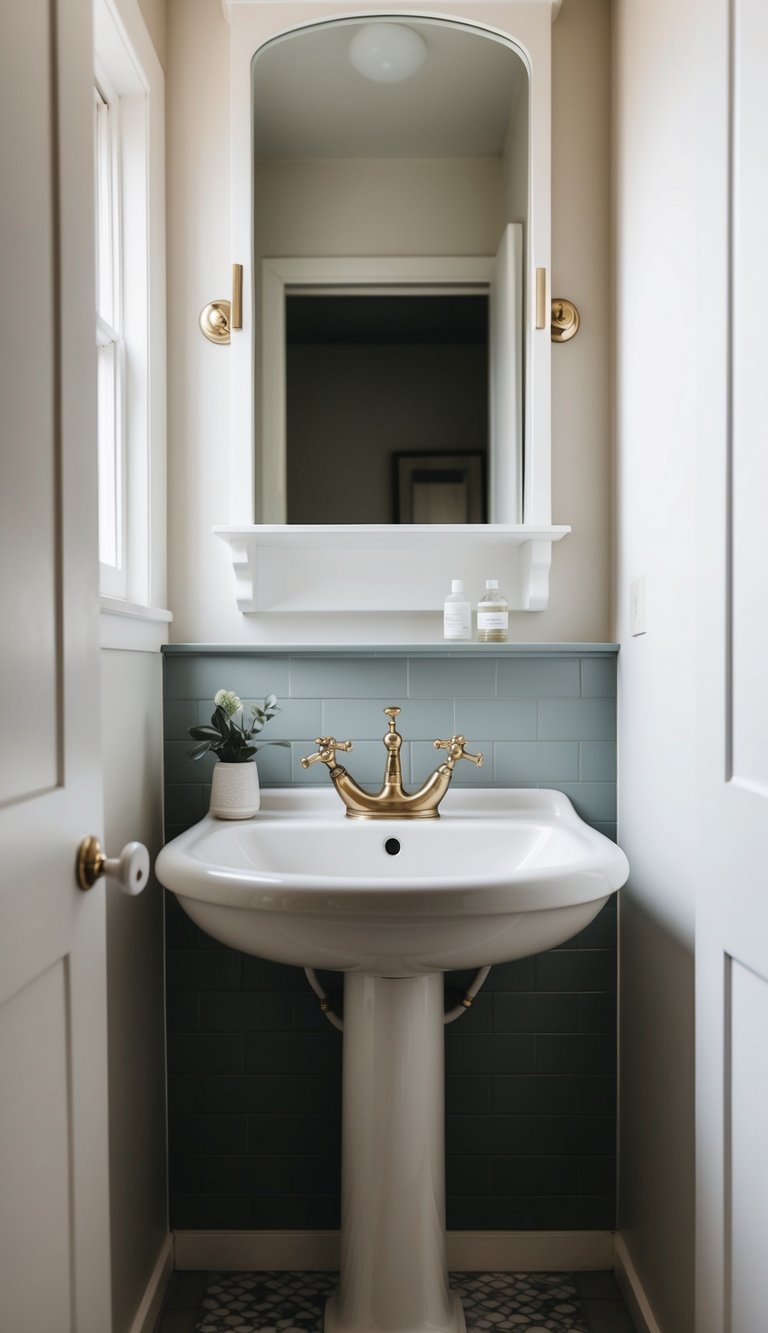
point(392, 846)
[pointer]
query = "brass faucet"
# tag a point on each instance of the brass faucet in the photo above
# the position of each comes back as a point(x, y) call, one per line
point(393, 801)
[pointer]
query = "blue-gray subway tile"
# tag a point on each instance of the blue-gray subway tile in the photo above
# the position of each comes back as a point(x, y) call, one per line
point(203, 970)
point(257, 1093)
point(296, 1212)
point(591, 800)
point(467, 1094)
point(601, 931)
point(185, 802)
point(535, 1013)
point(467, 1175)
point(576, 970)
point(597, 1175)
point(238, 1174)
point(421, 719)
point(452, 677)
point(208, 1134)
point(185, 1093)
point(597, 1094)
point(316, 1175)
point(183, 1011)
point(483, 1053)
point(245, 1011)
point(598, 677)
point(179, 768)
point(538, 677)
point(577, 720)
point(597, 1013)
point(608, 830)
point(306, 1014)
point(321, 1091)
point(535, 1176)
point(475, 1018)
point(597, 761)
point(201, 1053)
point(501, 719)
point(584, 1053)
point(314, 1052)
point(553, 1094)
point(536, 761)
point(191, 1212)
point(251, 677)
point(348, 678)
point(295, 1134)
point(516, 976)
point(274, 765)
point(425, 759)
point(575, 1213)
point(258, 974)
point(481, 1135)
point(178, 716)
point(574, 1134)
point(467, 1213)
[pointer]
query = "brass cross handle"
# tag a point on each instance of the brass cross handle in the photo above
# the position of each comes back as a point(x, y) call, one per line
point(326, 751)
point(456, 751)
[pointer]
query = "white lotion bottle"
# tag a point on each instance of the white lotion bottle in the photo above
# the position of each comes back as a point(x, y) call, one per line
point(492, 615)
point(457, 614)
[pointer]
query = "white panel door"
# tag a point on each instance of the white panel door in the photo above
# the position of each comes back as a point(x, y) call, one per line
point(732, 851)
point(505, 352)
point(54, 1217)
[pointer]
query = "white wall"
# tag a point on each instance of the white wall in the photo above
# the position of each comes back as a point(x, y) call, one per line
point(655, 200)
point(201, 580)
point(131, 716)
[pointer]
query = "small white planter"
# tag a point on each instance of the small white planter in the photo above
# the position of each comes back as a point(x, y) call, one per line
point(235, 790)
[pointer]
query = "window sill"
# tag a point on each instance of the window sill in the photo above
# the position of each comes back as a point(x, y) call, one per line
point(124, 625)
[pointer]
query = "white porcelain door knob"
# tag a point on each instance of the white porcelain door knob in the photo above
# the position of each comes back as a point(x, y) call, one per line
point(129, 871)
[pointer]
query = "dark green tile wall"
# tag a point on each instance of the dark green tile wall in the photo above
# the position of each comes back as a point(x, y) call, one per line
point(254, 1068)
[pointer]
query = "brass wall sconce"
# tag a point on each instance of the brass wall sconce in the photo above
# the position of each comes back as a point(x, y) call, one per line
point(565, 320)
point(219, 318)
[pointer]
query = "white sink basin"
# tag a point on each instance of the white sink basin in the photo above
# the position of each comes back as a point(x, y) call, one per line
point(502, 874)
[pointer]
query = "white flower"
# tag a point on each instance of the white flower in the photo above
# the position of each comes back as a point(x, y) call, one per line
point(227, 700)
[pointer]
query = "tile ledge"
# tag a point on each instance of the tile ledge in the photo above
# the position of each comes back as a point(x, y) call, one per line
point(440, 649)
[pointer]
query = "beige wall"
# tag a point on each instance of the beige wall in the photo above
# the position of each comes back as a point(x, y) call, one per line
point(656, 270)
point(132, 752)
point(154, 15)
point(201, 583)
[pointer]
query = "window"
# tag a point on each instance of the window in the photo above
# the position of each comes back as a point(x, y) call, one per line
point(110, 349)
point(130, 305)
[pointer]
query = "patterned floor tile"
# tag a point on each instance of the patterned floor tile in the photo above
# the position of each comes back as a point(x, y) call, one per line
point(293, 1302)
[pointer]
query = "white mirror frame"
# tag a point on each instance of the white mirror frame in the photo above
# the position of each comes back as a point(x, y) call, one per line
point(526, 25)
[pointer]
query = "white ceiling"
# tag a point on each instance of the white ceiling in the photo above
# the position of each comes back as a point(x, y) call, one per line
point(308, 101)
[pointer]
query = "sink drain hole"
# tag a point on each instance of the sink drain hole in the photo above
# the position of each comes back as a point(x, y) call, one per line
point(392, 846)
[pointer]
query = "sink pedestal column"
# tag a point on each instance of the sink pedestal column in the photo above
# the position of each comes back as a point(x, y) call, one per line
point(394, 1271)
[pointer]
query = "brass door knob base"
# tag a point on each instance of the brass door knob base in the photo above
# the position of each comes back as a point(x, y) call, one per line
point(130, 870)
point(565, 320)
point(215, 321)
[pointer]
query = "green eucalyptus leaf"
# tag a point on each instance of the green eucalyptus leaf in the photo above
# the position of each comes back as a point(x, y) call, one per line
point(197, 751)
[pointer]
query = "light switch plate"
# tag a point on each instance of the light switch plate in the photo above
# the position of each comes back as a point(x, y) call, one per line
point(637, 620)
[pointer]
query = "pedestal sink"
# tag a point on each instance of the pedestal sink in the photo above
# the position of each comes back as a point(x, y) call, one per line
point(393, 904)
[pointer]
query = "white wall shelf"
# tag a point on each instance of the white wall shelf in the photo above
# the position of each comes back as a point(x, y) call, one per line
point(316, 568)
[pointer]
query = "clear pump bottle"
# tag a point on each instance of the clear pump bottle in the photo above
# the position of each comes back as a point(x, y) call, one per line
point(492, 615)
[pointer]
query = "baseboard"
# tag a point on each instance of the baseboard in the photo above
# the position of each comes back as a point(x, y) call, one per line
point(151, 1302)
point(631, 1288)
point(468, 1251)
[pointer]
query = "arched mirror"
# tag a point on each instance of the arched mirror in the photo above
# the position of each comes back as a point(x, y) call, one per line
point(390, 207)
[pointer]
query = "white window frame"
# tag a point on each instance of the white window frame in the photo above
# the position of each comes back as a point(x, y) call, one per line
point(129, 76)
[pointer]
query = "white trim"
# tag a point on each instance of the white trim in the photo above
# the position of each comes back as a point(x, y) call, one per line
point(631, 1288)
point(151, 1302)
point(318, 1251)
point(123, 625)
